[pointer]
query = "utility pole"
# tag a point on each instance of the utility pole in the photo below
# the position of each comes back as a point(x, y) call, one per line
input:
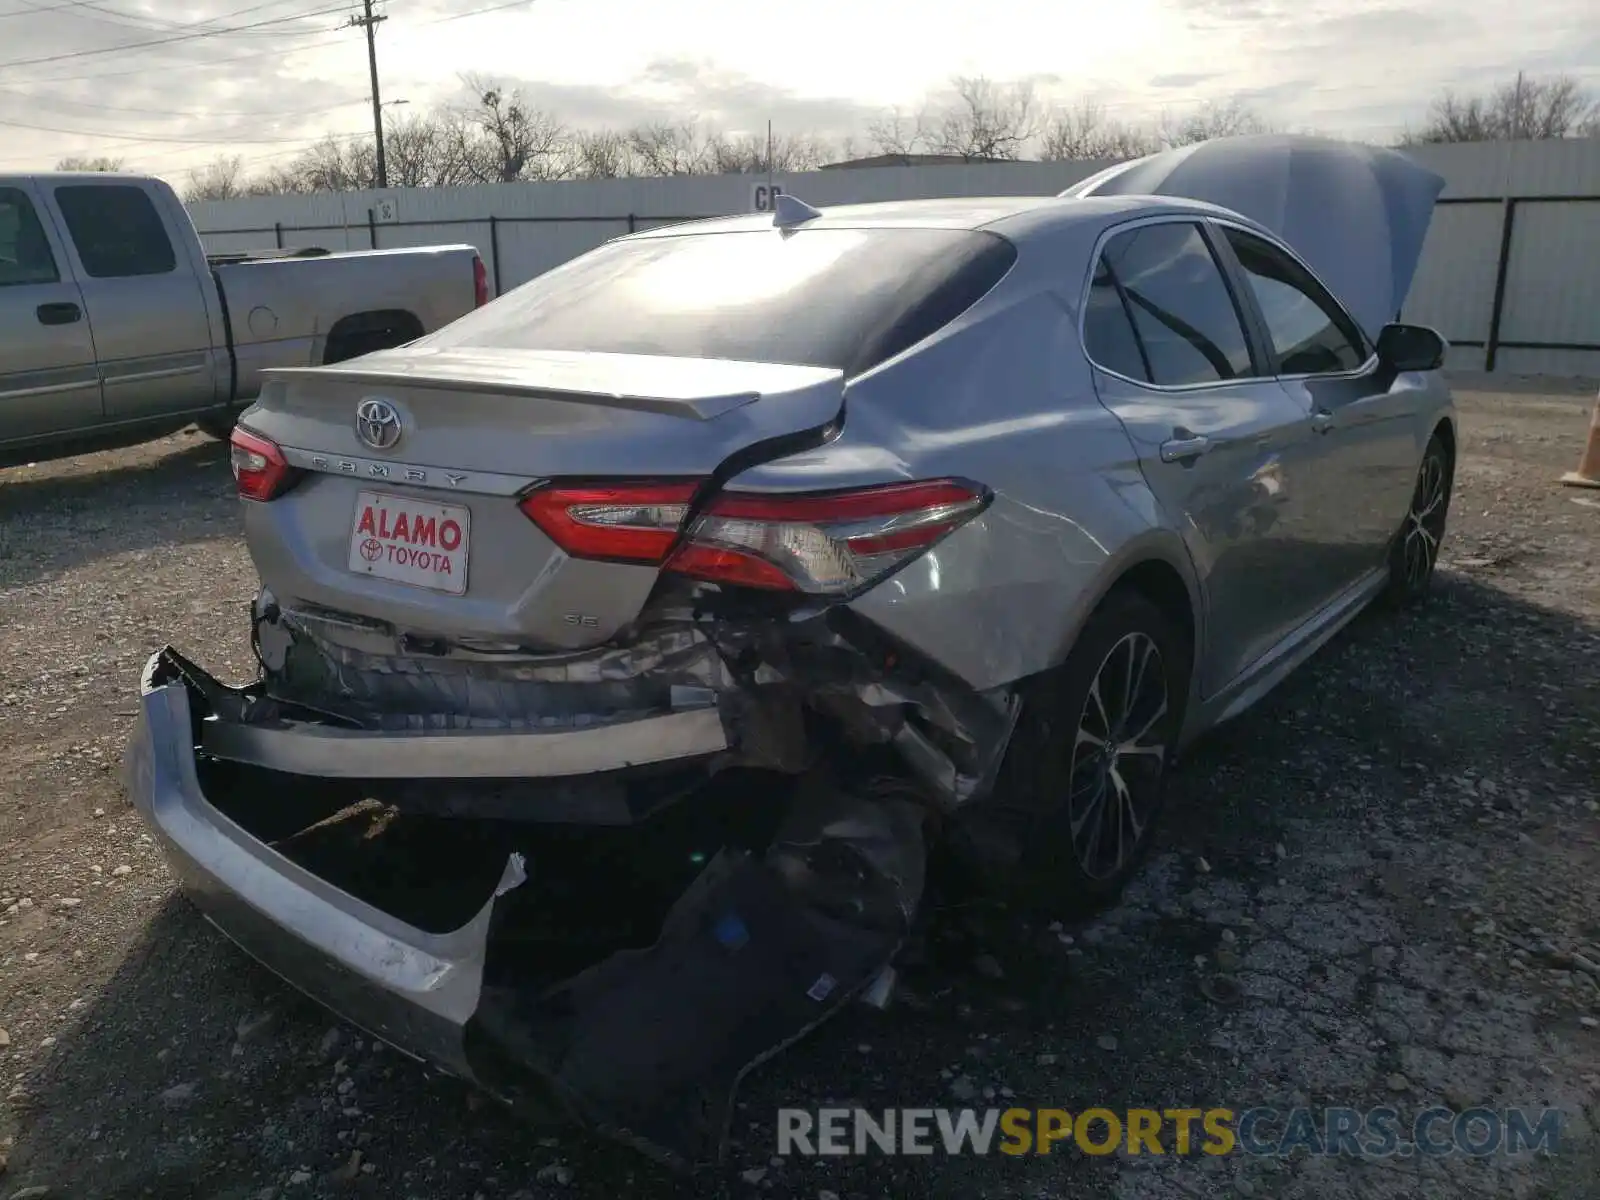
point(370, 23)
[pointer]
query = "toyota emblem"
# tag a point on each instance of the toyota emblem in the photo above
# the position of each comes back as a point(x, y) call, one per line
point(378, 423)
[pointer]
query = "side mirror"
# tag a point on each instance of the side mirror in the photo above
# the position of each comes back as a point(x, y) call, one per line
point(1410, 348)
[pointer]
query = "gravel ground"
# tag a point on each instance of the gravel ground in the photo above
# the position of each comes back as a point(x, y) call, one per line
point(1391, 865)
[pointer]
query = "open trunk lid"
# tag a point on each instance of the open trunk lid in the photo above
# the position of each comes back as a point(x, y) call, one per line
point(457, 436)
point(1357, 214)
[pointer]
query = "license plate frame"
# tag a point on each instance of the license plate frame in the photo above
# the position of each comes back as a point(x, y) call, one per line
point(376, 552)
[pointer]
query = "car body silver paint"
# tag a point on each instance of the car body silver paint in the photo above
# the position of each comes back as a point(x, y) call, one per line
point(1004, 395)
point(1265, 534)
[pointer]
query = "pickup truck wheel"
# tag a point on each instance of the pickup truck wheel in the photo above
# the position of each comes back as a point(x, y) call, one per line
point(1083, 781)
point(220, 428)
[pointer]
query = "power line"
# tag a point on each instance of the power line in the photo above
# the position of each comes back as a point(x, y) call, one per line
point(89, 11)
point(196, 113)
point(319, 38)
point(209, 139)
point(478, 12)
point(166, 41)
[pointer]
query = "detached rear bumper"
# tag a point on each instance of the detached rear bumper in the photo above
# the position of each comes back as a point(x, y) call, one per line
point(330, 752)
point(647, 1045)
point(414, 989)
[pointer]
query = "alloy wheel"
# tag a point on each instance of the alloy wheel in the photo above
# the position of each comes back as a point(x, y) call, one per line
point(1425, 523)
point(1118, 756)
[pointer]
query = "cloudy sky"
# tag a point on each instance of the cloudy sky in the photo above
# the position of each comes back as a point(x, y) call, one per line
point(169, 84)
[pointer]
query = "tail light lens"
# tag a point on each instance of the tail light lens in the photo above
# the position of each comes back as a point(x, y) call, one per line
point(827, 544)
point(630, 522)
point(259, 467)
point(480, 282)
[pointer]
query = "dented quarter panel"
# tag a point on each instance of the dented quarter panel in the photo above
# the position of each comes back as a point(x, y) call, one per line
point(979, 401)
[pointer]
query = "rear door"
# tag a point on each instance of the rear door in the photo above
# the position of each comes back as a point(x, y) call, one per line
point(1222, 445)
point(1367, 451)
point(48, 380)
point(144, 297)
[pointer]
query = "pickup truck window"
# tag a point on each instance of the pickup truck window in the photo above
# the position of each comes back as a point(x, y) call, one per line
point(24, 251)
point(117, 231)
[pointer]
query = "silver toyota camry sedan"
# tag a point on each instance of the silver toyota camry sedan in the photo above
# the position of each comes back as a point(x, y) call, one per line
point(869, 528)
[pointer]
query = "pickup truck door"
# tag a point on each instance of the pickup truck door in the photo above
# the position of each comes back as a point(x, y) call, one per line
point(142, 288)
point(48, 380)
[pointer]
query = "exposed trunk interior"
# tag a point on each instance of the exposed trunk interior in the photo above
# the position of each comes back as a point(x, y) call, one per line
point(590, 889)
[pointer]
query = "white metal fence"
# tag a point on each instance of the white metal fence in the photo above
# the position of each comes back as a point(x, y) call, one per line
point(1510, 273)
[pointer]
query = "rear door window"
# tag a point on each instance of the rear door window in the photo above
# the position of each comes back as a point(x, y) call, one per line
point(827, 297)
point(1183, 315)
point(25, 255)
point(1108, 335)
point(117, 230)
point(1311, 334)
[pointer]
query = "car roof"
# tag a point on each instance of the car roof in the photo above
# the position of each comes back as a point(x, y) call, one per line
point(1010, 216)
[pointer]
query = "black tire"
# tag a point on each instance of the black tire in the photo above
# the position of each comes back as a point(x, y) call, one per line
point(1037, 829)
point(1415, 551)
point(220, 428)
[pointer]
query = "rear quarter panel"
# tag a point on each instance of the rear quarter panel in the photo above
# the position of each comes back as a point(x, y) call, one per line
point(1002, 397)
point(283, 309)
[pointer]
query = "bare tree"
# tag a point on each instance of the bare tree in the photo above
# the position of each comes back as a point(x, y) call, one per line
point(747, 154)
point(1524, 108)
point(663, 148)
point(438, 149)
point(220, 179)
point(516, 140)
point(899, 133)
point(986, 120)
point(331, 165)
point(599, 154)
point(1083, 132)
point(1212, 119)
point(87, 163)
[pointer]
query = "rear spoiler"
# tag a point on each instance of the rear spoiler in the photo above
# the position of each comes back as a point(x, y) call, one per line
point(696, 388)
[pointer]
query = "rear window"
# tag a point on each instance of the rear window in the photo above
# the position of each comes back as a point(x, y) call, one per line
point(117, 230)
point(841, 298)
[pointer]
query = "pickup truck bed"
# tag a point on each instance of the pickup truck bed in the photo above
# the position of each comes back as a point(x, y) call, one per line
point(116, 326)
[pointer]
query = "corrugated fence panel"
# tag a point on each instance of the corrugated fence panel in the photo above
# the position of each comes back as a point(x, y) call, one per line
point(335, 238)
point(1454, 287)
point(468, 233)
point(1583, 364)
point(529, 248)
point(237, 243)
point(1551, 284)
point(1547, 300)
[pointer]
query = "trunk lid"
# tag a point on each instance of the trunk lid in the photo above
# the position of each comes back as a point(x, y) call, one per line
point(541, 413)
point(471, 430)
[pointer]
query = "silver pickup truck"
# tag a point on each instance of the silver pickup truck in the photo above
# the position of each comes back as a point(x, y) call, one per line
point(116, 327)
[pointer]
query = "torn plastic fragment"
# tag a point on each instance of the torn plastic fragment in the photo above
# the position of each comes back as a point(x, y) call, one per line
point(514, 876)
point(649, 1046)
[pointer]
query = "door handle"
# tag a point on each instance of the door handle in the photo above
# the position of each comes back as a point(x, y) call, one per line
point(1322, 421)
point(64, 313)
point(1185, 447)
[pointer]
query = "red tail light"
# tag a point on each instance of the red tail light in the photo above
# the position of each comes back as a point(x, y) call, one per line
point(259, 467)
point(627, 522)
point(480, 282)
point(825, 544)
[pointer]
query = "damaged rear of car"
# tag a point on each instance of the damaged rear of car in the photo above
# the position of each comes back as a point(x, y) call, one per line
point(577, 627)
point(626, 645)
